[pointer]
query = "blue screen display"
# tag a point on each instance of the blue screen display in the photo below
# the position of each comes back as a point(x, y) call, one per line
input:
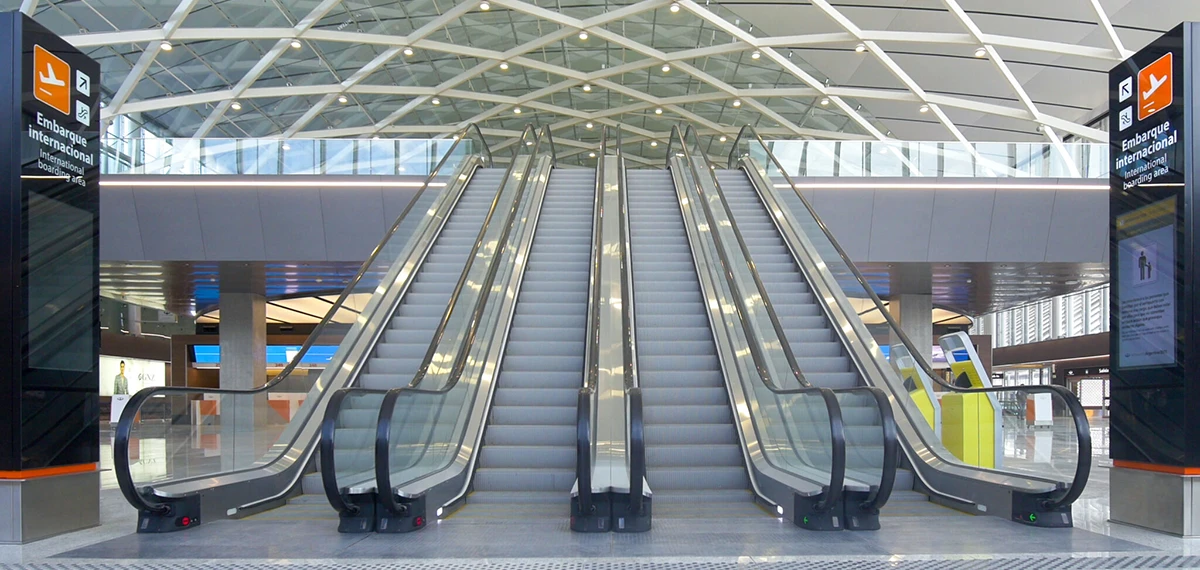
point(276, 353)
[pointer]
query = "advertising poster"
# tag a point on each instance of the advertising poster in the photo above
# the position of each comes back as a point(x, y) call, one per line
point(120, 376)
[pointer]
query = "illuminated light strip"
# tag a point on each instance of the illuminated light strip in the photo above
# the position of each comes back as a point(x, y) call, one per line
point(35, 177)
point(937, 186)
point(268, 184)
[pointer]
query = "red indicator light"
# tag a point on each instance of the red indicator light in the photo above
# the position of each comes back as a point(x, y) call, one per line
point(186, 521)
point(419, 521)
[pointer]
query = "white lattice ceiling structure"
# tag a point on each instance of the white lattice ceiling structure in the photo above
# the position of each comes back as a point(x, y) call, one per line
point(954, 70)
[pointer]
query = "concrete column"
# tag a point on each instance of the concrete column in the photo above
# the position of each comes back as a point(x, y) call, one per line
point(915, 313)
point(243, 338)
point(134, 316)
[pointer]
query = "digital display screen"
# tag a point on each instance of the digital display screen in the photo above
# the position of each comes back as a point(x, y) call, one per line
point(276, 354)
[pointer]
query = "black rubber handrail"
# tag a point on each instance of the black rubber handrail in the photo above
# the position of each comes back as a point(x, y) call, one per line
point(335, 494)
point(837, 475)
point(142, 499)
point(383, 475)
point(1084, 457)
point(583, 419)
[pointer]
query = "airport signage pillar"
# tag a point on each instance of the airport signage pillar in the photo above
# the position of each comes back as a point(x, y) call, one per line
point(1155, 272)
point(49, 283)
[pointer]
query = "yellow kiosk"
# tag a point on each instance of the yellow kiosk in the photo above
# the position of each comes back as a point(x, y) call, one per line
point(918, 384)
point(972, 424)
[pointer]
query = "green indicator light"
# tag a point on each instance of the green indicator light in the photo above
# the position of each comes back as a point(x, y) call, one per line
point(1032, 517)
point(805, 520)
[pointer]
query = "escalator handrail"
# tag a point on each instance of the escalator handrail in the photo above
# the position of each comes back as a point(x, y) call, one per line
point(1083, 433)
point(837, 436)
point(140, 498)
point(383, 475)
point(591, 376)
point(633, 391)
point(328, 465)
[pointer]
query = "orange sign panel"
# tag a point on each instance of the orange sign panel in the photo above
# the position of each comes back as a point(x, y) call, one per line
point(50, 77)
point(1156, 87)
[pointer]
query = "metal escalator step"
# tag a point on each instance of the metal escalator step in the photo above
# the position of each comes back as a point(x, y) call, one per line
point(525, 479)
point(534, 415)
point(516, 456)
point(667, 455)
point(705, 477)
point(690, 434)
point(536, 396)
point(716, 414)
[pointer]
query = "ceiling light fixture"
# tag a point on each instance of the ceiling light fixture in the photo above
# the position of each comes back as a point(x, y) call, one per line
point(287, 146)
point(658, 111)
point(587, 86)
point(583, 35)
point(485, 5)
point(924, 108)
point(757, 54)
point(517, 111)
point(674, 7)
point(342, 99)
point(236, 106)
point(589, 124)
point(860, 48)
point(981, 52)
point(737, 102)
point(824, 101)
point(723, 138)
point(591, 155)
point(296, 44)
point(666, 68)
point(436, 101)
point(653, 143)
point(503, 66)
point(408, 51)
point(166, 46)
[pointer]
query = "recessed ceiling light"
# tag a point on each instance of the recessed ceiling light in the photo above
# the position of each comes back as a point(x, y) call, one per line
point(517, 110)
point(504, 66)
point(824, 100)
point(485, 5)
point(166, 46)
point(653, 143)
point(591, 155)
point(723, 138)
point(408, 51)
point(436, 101)
point(236, 106)
point(924, 108)
point(755, 55)
point(376, 137)
point(658, 111)
point(583, 35)
point(342, 99)
point(587, 86)
point(666, 68)
point(860, 48)
point(674, 7)
point(287, 146)
point(296, 44)
point(981, 52)
point(589, 124)
point(737, 102)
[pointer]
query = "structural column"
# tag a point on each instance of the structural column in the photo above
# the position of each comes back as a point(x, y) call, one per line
point(243, 338)
point(911, 304)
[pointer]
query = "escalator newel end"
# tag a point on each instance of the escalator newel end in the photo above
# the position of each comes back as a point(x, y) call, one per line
point(857, 516)
point(623, 517)
point(362, 518)
point(411, 516)
point(598, 517)
point(807, 515)
point(179, 514)
point(1031, 510)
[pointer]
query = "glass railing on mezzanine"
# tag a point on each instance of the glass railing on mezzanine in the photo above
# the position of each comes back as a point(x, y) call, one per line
point(944, 159)
point(250, 156)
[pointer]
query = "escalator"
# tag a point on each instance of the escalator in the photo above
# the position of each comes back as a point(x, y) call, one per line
point(228, 453)
point(527, 462)
point(819, 295)
point(694, 459)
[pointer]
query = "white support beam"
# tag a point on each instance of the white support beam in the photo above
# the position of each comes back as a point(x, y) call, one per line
point(147, 59)
point(1118, 48)
point(28, 7)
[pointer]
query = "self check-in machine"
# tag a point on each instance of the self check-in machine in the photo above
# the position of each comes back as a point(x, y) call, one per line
point(918, 384)
point(972, 423)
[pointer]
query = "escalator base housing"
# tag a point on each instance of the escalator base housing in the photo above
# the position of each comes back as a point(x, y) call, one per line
point(856, 517)
point(361, 521)
point(598, 520)
point(413, 518)
point(1028, 510)
point(625, 521)
point(182, 513)
point(808, 517)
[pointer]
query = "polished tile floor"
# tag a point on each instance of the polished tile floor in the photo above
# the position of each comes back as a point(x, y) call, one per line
point(303, 534)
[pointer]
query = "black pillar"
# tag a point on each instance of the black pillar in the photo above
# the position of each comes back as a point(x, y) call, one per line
point(49, 250)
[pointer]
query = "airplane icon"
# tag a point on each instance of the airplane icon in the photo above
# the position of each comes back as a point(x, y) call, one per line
point(50, 75)
point(1155, 83)
point(50, 79)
